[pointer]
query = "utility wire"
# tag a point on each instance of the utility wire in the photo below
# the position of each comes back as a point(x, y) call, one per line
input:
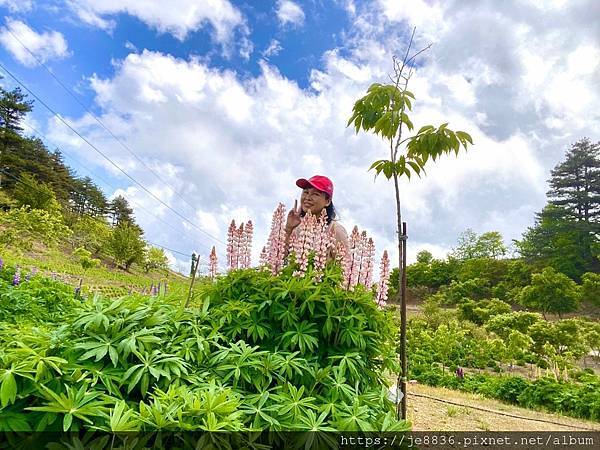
point(135, 204)
point(514, 416)
point(37, 189)
point(97, 119)
point(105, 156)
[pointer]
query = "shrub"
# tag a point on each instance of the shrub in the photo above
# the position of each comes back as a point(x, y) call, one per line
point(23, 226)
point(256, 352)
point(481, 311)
point(551, 292)
point(591, 288)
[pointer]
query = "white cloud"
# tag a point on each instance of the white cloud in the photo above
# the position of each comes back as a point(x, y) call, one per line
point(273, 49)
point(289, 12)
point(130, 46)
point(42, 46)
point(237, 144)
point(15, 6)
point(179, 17)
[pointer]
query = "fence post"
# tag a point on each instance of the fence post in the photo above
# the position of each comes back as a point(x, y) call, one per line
point(194, 270)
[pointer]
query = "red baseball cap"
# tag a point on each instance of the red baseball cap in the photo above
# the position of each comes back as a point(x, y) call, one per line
point(318, 182)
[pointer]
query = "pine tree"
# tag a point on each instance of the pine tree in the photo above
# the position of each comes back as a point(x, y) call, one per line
point(566, 234)
point(120, 212)
point(13, 108)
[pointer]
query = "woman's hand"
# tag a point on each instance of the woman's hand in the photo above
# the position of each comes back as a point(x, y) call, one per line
point(293, 218)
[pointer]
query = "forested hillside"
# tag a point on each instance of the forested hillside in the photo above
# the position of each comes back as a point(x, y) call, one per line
point(47, 205)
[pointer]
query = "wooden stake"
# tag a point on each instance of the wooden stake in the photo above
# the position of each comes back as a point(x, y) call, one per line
point(195, 264)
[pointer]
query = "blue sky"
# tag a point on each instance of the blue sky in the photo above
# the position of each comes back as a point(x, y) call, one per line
point(229, 102)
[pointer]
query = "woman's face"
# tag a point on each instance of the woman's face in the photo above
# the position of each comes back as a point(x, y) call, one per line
point(313, 200)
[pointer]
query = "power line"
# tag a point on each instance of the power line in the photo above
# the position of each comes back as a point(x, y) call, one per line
point(135, 204)
point(413, 394)
point(35, 188)
point(106, 157)
point(97, 119)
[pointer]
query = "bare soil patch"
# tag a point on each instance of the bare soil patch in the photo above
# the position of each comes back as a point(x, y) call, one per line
point(432, 415)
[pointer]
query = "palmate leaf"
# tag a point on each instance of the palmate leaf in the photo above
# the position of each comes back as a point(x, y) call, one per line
point(290, 364)
point(353, 418)
point(256, 406)
point(293, 402)
point(303, 337)
point(338, 385)
point(74, 403)
point(13, 422)
point(122, 418)
point(8, 382)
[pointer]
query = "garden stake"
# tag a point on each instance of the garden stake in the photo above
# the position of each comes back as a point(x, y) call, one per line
point(195, 264)
point(402, 376)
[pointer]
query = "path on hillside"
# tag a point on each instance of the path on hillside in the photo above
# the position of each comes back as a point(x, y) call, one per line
point(431, 415)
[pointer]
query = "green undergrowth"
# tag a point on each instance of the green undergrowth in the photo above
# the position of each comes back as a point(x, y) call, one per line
point(104, 279)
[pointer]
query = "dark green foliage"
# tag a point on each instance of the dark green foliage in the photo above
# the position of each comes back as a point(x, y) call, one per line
point(126, 245)
point(30, 192)
point(579, 399)
point(120, 212)
point(565, 235)
point(476, 289)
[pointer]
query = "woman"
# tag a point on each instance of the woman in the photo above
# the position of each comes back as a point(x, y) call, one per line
point(317, 194)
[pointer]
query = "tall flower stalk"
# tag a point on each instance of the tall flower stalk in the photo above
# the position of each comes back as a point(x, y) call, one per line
point(312, 236)
point(384, 277)
point(357, 263)
point(212, 263)
point(239, 245)
point(275, 251)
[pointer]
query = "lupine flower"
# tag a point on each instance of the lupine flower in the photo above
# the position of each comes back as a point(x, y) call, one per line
point(350, 264)
point(16, 277)
point(212, 264)
point(27, 277)
point(313, 235)
point(151, 290)
point(263, 258)
point(275, 248)
point(366, 274)
point(247, 260)
point(382, 286)
point(231, 244)
point(154, 290)
point(239, 245)
point(1, 263)
point(323, 242)
point(78, 288)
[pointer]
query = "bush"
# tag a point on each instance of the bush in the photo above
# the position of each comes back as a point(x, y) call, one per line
point(256, 352)
point(475, 289)
point(481, 311)
point(23, 226)
point(591, 288)
point(551, 292)
point(503, 324)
